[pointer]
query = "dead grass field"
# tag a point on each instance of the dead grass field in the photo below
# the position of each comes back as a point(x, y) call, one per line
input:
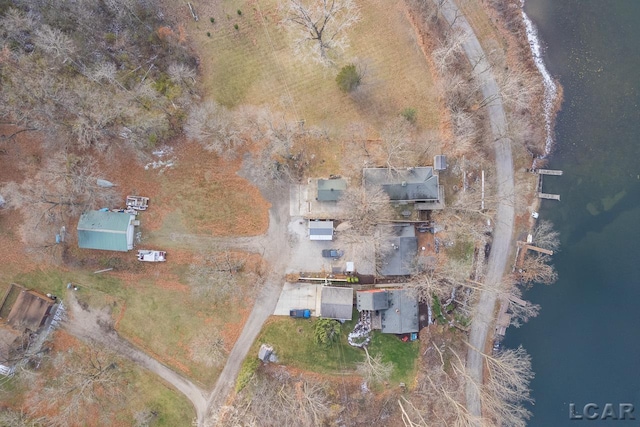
point(256, 65)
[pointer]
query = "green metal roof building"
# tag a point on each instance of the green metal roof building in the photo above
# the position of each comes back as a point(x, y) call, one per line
point(330, 190)
point(108, 231)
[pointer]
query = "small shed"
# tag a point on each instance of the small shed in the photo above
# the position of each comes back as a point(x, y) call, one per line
point(372, 300)
point(440, 162)
point(320, 230)
point(109, 231)
point(336, 303)
point(330, 190)
point(30, 310)
point(402, 315)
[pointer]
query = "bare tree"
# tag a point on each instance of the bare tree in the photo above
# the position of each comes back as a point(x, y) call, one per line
point(521, 310)
point(216, 276)
point(544, 236)
point(208, 349)
point(450, 51)
point(439, 398)
point(280, 400)
point(85, 378)
point(507, 387)
point(536, 268)
point(212, 126)
point(19, 418)
point(399, 147)
point(373, 369)
point(321, 25)
point(365, 207)
point(64, 187)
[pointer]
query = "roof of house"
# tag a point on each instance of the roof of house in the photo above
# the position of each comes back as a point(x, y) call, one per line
point(336, 303)
point(330, 190)
point(29, 310)
point(321, 230)
point(104, 230)
point(398, 260)
point(375, 299)
point(409, 184)
point(402, 315)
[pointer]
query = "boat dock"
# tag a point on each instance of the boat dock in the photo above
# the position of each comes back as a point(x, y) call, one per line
point(541, 173)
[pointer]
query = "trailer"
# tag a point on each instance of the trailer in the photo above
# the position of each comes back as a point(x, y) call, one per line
point(151, 256)
point(138, 203)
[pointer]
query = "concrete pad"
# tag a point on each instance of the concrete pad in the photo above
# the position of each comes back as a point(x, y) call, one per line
point(298, 296)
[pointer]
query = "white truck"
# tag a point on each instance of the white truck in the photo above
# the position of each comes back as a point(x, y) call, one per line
point(151, 256)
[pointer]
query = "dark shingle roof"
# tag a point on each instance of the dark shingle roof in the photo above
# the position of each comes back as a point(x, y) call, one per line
point(402, 315)
point(404, 184)
point(397, 261)
point(372, 300)
point(336, 303)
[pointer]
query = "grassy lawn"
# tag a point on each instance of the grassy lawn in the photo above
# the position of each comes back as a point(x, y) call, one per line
point(152, 394)
point(153, 310)
point(402, 354)
point(255, 64)
point(292, 340)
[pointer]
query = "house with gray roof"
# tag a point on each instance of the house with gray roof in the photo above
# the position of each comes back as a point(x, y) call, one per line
point(109, 231)
point(320, 230)
point(330, 190)
point(417, 185)
point(402, 315)
point(372, 300)
point(399, 251)
point(336, 303)
point(393, 311)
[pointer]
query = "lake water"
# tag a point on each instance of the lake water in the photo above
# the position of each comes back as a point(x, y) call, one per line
point(585, 343)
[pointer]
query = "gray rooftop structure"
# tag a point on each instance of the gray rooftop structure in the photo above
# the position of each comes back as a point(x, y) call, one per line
point(417, 184)
point(372, 300)
point(320, 230)
point(398, 259)
point(336, 303)
point(402, 315)
point(330, 190)
point(440, 162)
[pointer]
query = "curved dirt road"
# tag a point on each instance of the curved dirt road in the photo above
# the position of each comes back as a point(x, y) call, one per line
point(91, 325)
point(483, 318)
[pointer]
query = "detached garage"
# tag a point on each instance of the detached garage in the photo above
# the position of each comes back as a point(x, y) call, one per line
point(320, 230)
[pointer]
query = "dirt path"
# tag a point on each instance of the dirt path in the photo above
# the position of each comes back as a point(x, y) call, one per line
point(483, 318)
point(93, 326)
point(276, 250)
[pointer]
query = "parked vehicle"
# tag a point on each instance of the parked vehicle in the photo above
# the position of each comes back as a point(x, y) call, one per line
point(332, 253)
point(300, 313)
point(152, 256)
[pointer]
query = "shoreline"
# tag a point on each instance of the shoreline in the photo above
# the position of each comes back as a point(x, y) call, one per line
point(551, 99)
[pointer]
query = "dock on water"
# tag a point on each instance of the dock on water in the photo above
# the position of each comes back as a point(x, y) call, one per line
point(541, 173)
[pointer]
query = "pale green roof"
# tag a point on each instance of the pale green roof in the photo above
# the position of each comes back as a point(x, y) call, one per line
point(108, 231)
